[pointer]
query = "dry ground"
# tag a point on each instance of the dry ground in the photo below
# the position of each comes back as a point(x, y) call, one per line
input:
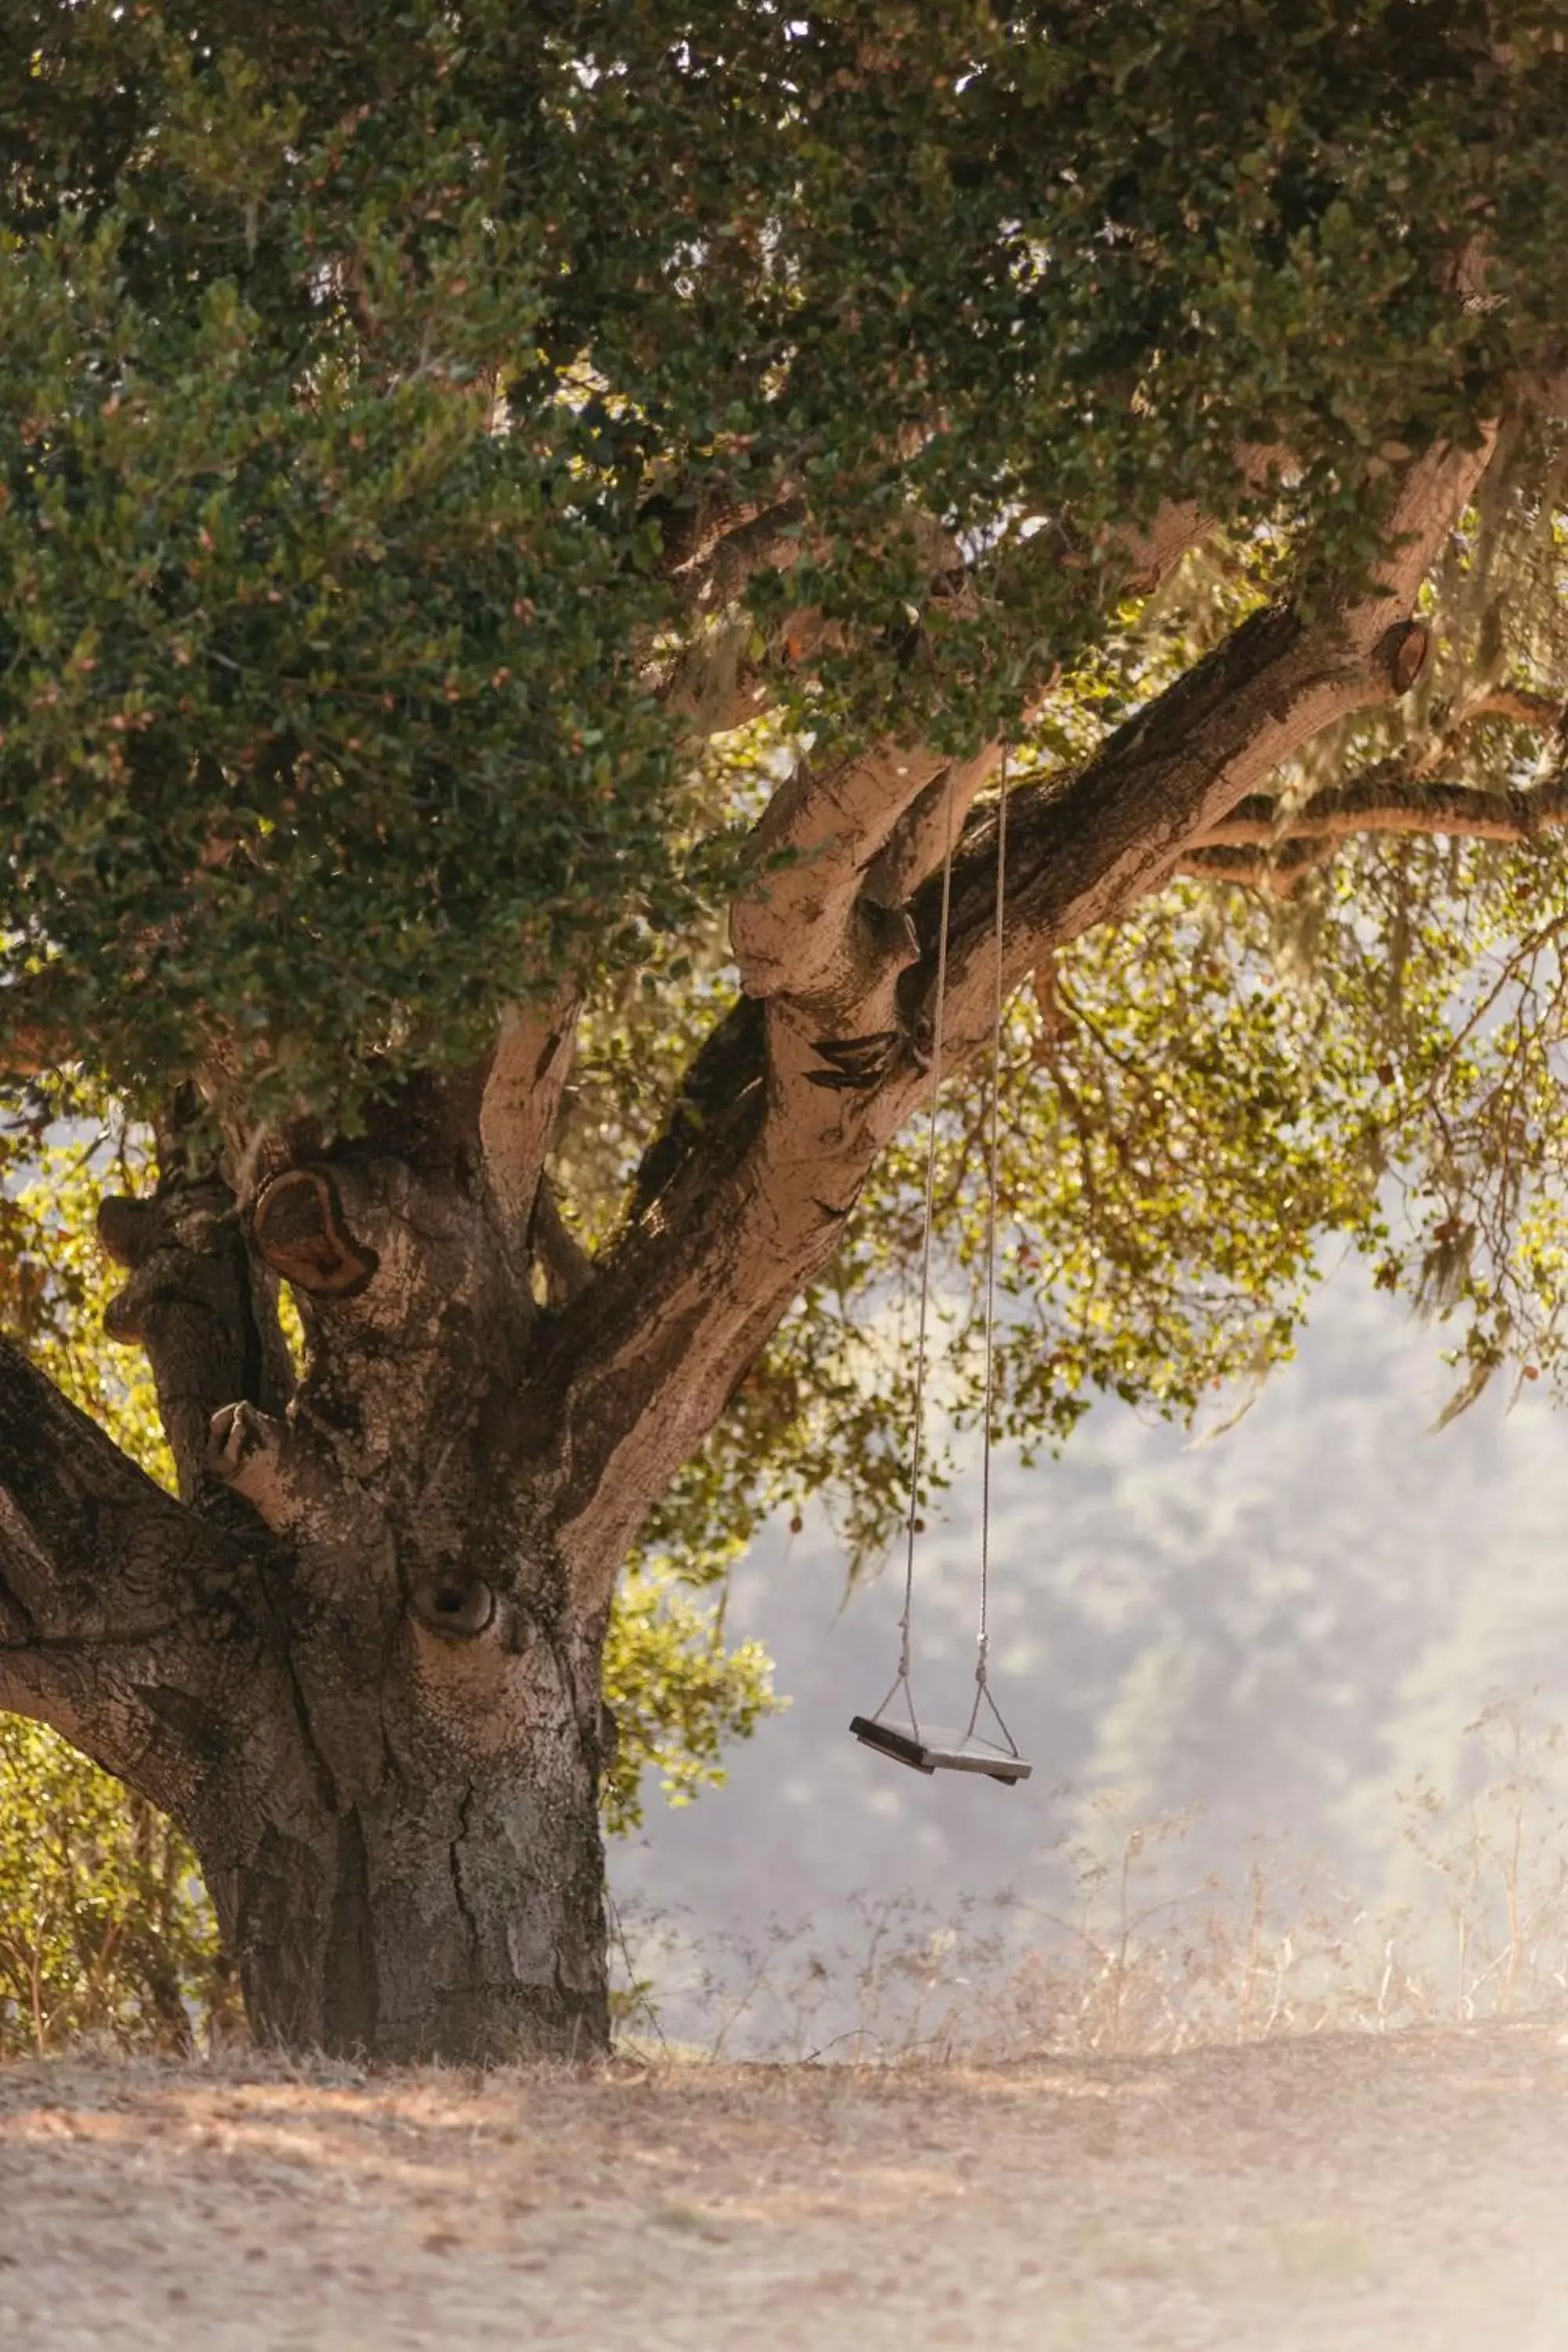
point(1408, 2194)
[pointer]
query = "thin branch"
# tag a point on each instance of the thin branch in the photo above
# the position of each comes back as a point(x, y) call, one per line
point(1373, 804)
point(1278, 873)
point(1519, 703)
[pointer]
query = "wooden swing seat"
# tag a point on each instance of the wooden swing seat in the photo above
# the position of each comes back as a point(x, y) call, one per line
point(934, 1750)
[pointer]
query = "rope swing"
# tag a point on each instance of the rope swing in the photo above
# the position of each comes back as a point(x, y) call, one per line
point(969, 1750)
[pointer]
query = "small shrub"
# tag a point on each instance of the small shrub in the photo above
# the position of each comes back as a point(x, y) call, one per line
point(105, 1926)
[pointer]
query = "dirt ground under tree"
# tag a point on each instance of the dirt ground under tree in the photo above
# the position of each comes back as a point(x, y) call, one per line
point(1408, 2193)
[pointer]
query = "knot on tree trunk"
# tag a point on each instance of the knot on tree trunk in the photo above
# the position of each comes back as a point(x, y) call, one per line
point(195, 1222)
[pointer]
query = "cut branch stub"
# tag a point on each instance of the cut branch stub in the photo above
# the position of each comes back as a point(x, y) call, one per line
point(260, 1457)
point(299, 1230)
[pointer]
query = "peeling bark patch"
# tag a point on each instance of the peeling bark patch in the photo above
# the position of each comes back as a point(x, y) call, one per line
point(855, 1062)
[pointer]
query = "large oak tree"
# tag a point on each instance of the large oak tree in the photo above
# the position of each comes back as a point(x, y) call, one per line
point(525, 532)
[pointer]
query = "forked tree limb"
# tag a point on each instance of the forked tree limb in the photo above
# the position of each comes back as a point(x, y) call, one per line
point(1081, 854)
point(838, 839)
point(793, 929)
point(920, 841)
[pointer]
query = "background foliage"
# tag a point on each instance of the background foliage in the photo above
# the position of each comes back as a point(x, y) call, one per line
point(105, 1926)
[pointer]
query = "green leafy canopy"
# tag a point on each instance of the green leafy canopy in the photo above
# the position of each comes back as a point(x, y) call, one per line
point(364, 368)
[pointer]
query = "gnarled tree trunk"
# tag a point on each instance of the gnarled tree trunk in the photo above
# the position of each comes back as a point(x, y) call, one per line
point(443, 1897)
point(361, 1670)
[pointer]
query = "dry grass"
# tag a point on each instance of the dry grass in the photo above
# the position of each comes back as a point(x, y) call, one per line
point(1396, 2194)
point(1143, 1961)
point(1176, 2117)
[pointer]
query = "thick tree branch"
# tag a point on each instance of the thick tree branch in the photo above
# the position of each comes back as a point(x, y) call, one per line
point(919, 842)
point(206, 1314)
point(123, 1615)
point(839, 844)
point(752, 1203)
point(712, 543)
point(1142, 561)
point(521, 1103)
point(794, 928)
point(1174, 772)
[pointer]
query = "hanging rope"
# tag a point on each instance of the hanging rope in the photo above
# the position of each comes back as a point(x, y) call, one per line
point(901, 1680)
point(992, 1185)
point(917, 1434)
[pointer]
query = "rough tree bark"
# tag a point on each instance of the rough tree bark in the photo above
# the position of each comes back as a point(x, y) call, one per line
point(353, 1663)
point(359, 1658)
